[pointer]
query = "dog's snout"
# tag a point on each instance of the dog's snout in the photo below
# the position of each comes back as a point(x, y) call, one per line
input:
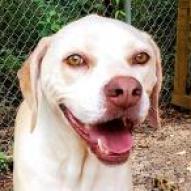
point(123, 91)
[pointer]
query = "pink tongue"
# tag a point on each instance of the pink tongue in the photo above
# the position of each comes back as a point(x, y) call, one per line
point(117, 142)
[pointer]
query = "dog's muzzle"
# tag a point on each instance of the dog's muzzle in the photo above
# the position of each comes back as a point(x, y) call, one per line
point(111, 138)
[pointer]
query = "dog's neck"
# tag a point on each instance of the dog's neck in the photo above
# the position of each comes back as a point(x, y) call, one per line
point(76, 167)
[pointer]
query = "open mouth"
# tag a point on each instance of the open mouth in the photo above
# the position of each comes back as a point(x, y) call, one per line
point(110, 141)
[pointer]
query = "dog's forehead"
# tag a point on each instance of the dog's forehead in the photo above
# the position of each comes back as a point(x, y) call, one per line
point(96, 30)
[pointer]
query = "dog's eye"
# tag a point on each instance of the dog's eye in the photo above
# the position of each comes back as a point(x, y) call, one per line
point(75, 60)
point(141, 58)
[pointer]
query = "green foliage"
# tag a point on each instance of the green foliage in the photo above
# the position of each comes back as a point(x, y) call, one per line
point(23, 23)
point(9, 97)
point(119, 10)
point(51, 19)
point(9, 62)
point(3, 163)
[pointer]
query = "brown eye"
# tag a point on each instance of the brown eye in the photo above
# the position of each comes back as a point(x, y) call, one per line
point(75, 60)
point(141, 58)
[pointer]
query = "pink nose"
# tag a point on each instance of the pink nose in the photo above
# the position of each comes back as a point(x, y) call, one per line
point(123, 91)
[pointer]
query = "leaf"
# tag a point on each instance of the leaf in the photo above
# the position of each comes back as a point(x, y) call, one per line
point(181, 153)
point(2, 156)
point(117, 2)
point(123, 13)
point(116, 14)
point(52, 13)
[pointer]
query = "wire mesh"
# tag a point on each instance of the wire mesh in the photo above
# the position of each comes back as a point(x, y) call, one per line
point(24, 22)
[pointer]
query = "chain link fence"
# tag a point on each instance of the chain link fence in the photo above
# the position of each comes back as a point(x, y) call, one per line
point(24, 22)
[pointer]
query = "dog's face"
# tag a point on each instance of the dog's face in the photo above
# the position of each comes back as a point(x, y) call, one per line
point(104, 77)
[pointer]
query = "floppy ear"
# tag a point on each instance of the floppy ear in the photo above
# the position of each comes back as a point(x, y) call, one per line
point(28, 77)
point(153, 115)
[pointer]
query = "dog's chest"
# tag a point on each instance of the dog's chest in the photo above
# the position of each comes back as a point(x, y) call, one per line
point(95, 176)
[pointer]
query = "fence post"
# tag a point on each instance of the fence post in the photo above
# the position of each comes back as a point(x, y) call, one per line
point(128, 11)
point(180, 96)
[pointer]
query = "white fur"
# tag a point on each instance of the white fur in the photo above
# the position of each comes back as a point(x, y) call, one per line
point(53, 157)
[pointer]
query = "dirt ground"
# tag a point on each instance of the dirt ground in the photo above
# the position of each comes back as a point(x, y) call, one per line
point(164, 154)
point(161, 159)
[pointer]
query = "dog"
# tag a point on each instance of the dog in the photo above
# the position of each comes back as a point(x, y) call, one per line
point(85, 88)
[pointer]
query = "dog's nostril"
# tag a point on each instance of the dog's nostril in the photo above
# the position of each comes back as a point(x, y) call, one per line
point(137, 92)
point(118, 92)
point(115, 92)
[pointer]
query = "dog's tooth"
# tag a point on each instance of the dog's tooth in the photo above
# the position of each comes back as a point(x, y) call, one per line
point(101, 147)
point(100, 144)
point(125, 122)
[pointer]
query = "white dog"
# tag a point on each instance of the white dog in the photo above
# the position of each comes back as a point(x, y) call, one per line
point(84, 90)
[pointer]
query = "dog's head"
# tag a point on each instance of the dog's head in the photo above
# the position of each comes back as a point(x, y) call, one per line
point(103, 76)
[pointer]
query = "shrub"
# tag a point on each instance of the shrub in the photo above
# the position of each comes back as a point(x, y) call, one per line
point(24, 22)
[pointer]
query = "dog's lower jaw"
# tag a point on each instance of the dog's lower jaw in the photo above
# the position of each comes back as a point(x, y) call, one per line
point(53, 158)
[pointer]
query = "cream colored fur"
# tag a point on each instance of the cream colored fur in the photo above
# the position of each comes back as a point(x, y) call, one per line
point(48, 154)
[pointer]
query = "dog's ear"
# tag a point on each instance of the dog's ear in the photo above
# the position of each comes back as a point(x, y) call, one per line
point(153, 115)
point(28, 77)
